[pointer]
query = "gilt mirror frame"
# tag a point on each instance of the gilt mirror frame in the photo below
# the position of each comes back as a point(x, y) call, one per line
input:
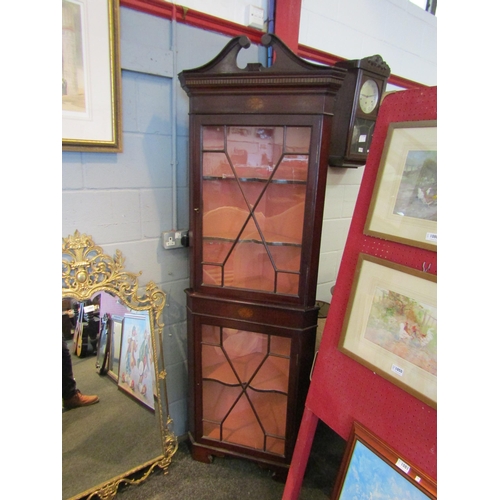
point(87, 270)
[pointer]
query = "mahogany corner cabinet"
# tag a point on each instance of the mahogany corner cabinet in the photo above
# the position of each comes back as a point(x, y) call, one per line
point(259, 143)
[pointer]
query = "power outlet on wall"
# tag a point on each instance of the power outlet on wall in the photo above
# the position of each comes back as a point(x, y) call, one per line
point(255, 17)
point(175, 239)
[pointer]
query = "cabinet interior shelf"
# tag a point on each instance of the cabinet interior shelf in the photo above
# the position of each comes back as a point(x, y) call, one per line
point(269, 241)
point(256, 371)
point(253, 179)
point(245, 386)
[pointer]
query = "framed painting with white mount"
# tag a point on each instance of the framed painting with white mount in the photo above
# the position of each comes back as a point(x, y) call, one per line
point(370, 467)
point(91, 78)
point(356, 110)
point(404, 202)
point(390, 325)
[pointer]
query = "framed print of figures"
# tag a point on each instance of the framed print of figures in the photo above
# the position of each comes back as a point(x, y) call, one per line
point(136, 371)
point(390, 325)
point(404, 203)
point(372, 469)
point(91, 78)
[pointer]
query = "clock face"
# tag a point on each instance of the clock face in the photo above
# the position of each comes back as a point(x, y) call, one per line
point(368, 96)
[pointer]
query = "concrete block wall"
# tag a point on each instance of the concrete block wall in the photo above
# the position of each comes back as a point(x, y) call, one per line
point(230, 10)
point(401, 32)
point(342, 188)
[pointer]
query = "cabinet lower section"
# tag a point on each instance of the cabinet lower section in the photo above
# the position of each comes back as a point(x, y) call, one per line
point(249, 368)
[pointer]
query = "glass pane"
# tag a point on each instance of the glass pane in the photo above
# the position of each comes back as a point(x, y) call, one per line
point(292, 168)
point(210, 334)
point(213, 137)
point(253, 151)
point(271, 411)
point(280, 345)
point(216, 366)
point(241, 342)
point(286, 257)
point(280, 197)
point(212, 275)
point(287, 284)
point(272, 375)
point(242, 426)
point(245, 386)
point(298, 140)
point(218, 400)
point(215, 251)
point(254, 192)
point(224, 222)
point(251, 268)
point(216, 165)
point(275, 445)
point(362, 136)
point(211, 430)
point(285, 227)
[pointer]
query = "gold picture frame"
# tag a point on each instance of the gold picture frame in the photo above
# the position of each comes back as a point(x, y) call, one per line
point(370, 466)
point(404, 203)
point(391, 325)
point(91, 76)
point(86, 271)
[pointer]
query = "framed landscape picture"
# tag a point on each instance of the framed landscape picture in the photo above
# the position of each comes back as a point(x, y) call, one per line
point(404, 203)
point(372, 469)
point(91, 76)
point(390, 325)
point(136, 371)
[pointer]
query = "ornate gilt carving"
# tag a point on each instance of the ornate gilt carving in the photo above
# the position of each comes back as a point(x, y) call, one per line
point(86, 270)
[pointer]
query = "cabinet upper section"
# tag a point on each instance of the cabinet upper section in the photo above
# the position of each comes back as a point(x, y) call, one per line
point(258, 160)
point(253, 89)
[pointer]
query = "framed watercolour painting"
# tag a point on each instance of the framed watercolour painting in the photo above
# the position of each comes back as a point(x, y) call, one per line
point(136, 370)
point(372, 469)
point(390, 325)
point(404, 203)
point(91, 83)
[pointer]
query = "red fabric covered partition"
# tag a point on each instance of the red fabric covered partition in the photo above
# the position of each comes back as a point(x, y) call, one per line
point(342, 390)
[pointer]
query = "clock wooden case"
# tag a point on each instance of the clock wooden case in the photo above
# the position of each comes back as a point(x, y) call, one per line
point(356, 110)
point(259, 140)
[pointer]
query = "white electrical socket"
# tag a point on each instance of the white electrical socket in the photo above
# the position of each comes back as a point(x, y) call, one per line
point(174, 239)
point(255, 17)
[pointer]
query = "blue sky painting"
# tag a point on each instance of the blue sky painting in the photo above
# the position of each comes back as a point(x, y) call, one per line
point(370, 478)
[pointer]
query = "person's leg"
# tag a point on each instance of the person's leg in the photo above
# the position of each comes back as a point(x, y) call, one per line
point(68, 381)
point(72, 397)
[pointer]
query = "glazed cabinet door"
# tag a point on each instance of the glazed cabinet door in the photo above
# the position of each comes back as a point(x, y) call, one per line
point(245, 379)
point(252, 215)
point(246, 387)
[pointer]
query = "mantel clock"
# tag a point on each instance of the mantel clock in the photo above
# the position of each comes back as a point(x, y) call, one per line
point(356, 110)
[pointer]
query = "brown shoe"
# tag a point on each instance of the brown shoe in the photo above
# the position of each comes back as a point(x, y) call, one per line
point(79, 400)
